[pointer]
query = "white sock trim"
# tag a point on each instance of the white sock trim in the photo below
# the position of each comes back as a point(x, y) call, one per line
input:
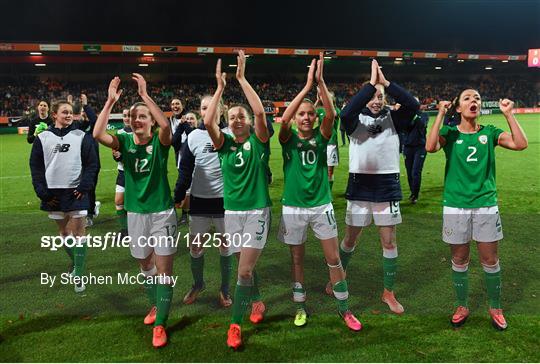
point(346, 249)
point(460, 267)
point(341, 295)
point(164, 279)
point(225, 253)
point(196, 255)
point(390, 253)
point(149, 273)
point(245, 282)
point(492, 268)
point(298, 296)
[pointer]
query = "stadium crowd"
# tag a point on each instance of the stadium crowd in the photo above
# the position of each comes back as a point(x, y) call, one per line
point(21, 97)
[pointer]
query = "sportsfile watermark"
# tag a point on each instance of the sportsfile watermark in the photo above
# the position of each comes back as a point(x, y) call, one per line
point(116, 240)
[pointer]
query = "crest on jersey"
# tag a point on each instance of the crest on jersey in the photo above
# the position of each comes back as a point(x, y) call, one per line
point(233, 148)
point(313, 142)
point(132, 151)
point(483, 139)
point(299, 145)
point(247, 145)
point(149, 149)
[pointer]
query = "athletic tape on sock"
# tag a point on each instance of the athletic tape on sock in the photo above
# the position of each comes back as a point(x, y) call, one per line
point(390, 253)
point(337, 266)
point(345, 248)
point(149, 273)
point(492, 268)
point(299, 294)
point(460, 267)
point(119, 207)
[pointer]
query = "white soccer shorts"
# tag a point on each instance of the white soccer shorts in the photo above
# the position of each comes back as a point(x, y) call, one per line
point(460, 226)
point(152, 232)
point(60, 215)
point(362, 213)
point(295, 221)
point(247, 229)
point(203, 224)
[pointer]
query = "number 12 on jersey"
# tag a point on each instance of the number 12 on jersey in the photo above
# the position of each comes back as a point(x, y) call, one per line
point(141, 165)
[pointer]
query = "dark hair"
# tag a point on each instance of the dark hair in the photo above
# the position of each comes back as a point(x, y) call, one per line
point(40, 101)
point(56, 105)
point(243, 106)
point(77, 108)
point(452, 111)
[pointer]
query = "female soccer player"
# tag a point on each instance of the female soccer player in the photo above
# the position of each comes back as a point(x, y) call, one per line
point(373, 189)
point(200, 165)
point(39, 122)
point(470, 210)
point(120, 179)
point(147, 196)
point(63, 164)
point(244, 163)
point(307, 200)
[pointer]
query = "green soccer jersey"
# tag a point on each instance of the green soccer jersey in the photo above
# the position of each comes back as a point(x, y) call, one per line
point(244, 166)
point(321, 113)
point(305, 171)
point(470, 167)
point(145, 168)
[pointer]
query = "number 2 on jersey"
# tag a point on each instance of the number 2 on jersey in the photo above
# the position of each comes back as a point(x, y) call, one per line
point(470, 156)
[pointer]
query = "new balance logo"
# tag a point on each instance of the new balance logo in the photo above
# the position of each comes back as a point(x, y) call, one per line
point(61, 148)
point(208, 148)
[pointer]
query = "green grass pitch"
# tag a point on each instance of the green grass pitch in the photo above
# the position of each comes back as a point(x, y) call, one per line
point(38, 323)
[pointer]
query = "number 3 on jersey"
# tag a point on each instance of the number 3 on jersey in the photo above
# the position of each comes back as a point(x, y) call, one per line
point(239, 161)
point(141, 165)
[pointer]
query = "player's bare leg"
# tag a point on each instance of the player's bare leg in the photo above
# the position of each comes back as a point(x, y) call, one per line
point(339, 283)
point(346, 249)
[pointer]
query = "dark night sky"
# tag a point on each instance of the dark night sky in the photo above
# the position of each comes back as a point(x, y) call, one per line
point(495, 26)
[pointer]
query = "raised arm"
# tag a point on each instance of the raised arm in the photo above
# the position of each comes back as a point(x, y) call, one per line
point(212, 112)
point(89, 111)
point(290, 111)
point(261, 129)
point(434, 142)
point(516, 139)
point(100, 129)
point(349, 114)
point(327, 123)
point(165, 134)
